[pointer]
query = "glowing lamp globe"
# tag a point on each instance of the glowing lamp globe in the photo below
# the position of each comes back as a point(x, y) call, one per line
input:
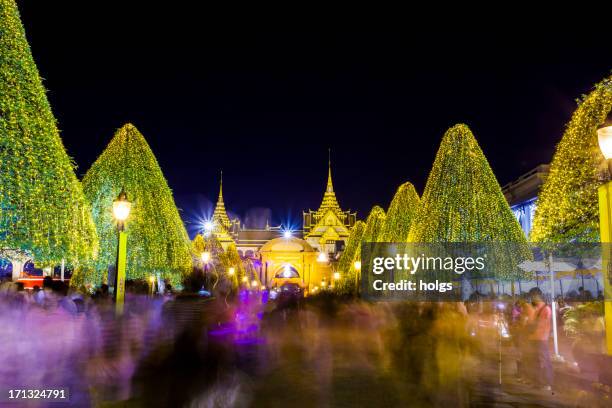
point(322, 257)
point(152, 279)
point(287, 271)
point(205, 256)
point(336, 275)
point(254, 284)
point(121, 207)
point(357, 265)
point(231, 271)
point(604, 136)
point(287, 234)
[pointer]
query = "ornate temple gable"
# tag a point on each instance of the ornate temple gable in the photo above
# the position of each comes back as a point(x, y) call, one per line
point(329, 218)
point(330, 226)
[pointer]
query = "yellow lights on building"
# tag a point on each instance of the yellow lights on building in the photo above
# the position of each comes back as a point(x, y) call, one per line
point(322, 257)
point(231, 271)
point(245, 279)
point(254, 283)
point(205, 256)
point(357, 265)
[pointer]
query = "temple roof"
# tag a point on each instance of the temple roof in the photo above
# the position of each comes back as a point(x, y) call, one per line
point(220, 215)
point(329, 197)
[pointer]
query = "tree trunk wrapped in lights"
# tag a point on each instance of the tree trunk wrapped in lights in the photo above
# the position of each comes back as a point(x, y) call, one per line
point(463, 202)
point(157, 240)
point(400, 214)
point(43, 212)
point(567, 206)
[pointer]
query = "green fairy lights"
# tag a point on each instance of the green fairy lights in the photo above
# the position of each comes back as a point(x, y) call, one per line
point(567, 206)
point(400, 214)
point(157, 241)
point(463, 201)
point(43, 213)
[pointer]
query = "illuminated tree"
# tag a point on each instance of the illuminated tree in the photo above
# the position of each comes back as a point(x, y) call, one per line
point(400, 214)
point(463, 201)
point(368, 232)
point(374, 226)
point(567, 206)
point(198, 246)
point(345, 264)
point(157, 240)
point(43, 213)
point(231, 259)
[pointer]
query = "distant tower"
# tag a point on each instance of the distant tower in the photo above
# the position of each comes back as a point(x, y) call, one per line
point(222, 224)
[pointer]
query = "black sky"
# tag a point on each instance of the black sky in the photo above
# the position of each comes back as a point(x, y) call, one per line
point(264, 106)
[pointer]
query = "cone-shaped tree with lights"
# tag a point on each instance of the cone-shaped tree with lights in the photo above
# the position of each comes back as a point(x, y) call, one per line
point(463, 202)
point(371, 232)
point(400, 214)
point(567, 207)
point(345, 264)
point(157, 240)
point(43, 213)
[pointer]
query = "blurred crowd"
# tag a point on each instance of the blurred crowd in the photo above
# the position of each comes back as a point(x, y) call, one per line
point(185, 350)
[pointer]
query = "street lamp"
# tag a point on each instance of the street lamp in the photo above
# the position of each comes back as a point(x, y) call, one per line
point(205, 257)
point(336, 275)
point(121, 212)
point(231, 271)
point(152, 280)
point(322, 257)
point(357, 265)
point(604, 137)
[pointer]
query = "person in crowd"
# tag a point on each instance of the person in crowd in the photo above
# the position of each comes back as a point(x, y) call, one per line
point(520, 336)
point(540, 325)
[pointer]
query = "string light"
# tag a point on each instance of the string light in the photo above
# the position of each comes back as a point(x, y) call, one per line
point(400, 214)
point(463, 202)
point(43, 212)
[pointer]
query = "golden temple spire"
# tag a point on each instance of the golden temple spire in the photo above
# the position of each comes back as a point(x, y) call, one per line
point(329, 198)
point(330, 185)
point(220, 215)
point(220, 199)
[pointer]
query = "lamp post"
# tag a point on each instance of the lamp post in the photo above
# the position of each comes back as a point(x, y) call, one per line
point(121, 211)
point(604, 136)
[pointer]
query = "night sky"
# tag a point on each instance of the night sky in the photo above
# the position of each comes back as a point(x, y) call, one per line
point(265, 106)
